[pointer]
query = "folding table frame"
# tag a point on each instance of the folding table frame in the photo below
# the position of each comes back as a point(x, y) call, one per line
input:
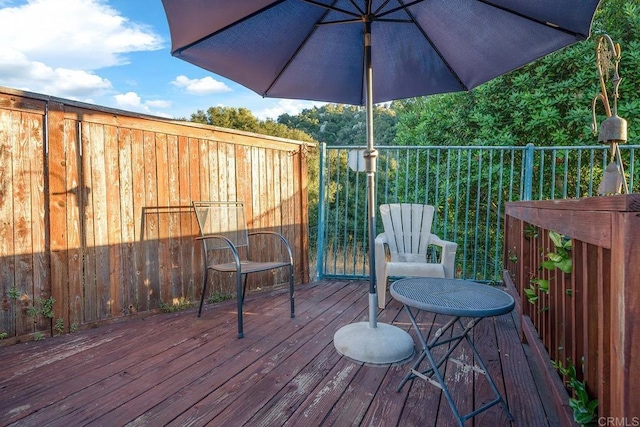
point(459, 299)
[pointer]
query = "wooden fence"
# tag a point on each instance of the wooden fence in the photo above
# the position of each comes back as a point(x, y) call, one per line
point(95, 209)
point(589, 317)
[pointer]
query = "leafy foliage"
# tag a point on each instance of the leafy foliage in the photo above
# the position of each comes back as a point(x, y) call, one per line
point(585, 409)
point(561, 258)
point(547, 102)
point(336, 124)
point(243, 119)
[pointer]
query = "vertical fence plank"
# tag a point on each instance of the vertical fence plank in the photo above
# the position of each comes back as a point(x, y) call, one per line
point(187, 265)
point(90, 283)
point(100, 223)
point(139, 192)
point(75, 194)
point(37, 228)
point(115, 301)
point(593, 333)
point(7, 250)
point(173, 213)
point(22, 234)
point(127, 215)
point(625, 309)
point(196, 194)
point(150, 220)
point(60, 188)
point(160, 210)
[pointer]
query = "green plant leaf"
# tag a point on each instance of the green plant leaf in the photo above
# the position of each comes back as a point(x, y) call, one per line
point(543, 285)
point(549, 265)
point(531, 294)
point(555, 257)
point(582, 418)
point(556, 238)
point(565, 265)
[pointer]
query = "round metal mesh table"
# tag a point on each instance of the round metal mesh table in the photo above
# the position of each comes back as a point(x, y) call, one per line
point(452, 297)
point(456, 299)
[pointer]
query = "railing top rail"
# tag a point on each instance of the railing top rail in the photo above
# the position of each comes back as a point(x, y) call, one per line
point(479, 147)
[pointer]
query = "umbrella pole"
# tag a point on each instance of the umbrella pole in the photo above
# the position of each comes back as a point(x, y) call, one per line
point(372, 342)
point(370, 156)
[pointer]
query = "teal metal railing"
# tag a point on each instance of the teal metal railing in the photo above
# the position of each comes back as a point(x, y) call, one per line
point(468, 185)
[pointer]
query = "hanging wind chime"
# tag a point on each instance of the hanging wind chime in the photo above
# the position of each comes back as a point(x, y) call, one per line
point(613, 130)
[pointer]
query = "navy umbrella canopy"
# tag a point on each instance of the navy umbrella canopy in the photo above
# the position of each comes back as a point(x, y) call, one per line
point(363, 52)
point(315, 49)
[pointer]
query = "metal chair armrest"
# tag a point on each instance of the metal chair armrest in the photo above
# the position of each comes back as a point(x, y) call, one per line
point(229, 243)
point(282, 239)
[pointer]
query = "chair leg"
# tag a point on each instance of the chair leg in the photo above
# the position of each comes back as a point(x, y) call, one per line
point(293, 309)
point(240, 299)
point(381, 285)
point(244, 287)
point(204, 290)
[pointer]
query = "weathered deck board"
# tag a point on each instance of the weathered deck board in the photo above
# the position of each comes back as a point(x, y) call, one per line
point(174, 369)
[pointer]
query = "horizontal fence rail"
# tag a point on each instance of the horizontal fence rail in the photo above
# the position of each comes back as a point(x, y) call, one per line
point(468, 185)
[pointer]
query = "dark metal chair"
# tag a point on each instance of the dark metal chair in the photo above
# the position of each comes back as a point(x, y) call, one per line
point(223, 227)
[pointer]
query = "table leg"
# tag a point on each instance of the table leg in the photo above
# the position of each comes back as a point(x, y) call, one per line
point(434, 369)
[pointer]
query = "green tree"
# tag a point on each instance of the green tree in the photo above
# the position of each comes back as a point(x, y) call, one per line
point(243, 119)
point(336, 124)
point(547, 102)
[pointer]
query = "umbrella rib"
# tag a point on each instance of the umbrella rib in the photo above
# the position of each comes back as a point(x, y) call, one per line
point(233, 24)
point(433, 46)
point(306, 39)
point(335, 9)
point(537, 21)
point(395, 9)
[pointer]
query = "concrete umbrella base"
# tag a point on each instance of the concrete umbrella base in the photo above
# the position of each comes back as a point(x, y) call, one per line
point(383, 344)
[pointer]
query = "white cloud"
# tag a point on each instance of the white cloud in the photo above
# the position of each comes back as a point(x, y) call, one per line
point(204, 86)
point(159, 104)
point(76, 34)
point(54, 47)
point(17, 71)
point(286, 106)
point(131, 101)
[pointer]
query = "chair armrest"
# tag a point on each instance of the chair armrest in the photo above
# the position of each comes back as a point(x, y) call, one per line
point(282, 239)
point(381, 239)
point(228, 242)
point(380, 252)
point(448, 257)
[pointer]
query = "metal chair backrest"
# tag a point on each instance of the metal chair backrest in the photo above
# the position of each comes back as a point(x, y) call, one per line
point(225, 219)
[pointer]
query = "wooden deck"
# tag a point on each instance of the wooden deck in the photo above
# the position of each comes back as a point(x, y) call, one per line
point(174, 369)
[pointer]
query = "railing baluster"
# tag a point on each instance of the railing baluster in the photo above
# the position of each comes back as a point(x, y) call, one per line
point(468, 205)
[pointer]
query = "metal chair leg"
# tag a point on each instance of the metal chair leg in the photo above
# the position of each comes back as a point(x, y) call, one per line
point(204, 290)
point(293, 309)
point(240, 299)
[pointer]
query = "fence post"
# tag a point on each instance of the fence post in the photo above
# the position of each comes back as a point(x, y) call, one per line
point(528, 172)
point(321, 201)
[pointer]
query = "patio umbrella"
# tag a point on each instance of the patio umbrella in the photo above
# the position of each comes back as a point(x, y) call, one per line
point(364, 52)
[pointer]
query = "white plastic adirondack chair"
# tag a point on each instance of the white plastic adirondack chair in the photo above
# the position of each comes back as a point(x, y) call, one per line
point(407, 235)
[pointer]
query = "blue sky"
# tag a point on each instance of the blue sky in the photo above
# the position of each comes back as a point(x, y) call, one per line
point(113, 53)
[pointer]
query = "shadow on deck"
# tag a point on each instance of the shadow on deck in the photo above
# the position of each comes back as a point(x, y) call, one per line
point(174, 369)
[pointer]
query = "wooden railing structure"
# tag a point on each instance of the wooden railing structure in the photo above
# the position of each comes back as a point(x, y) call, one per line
point(95, 209)
point(589, 317)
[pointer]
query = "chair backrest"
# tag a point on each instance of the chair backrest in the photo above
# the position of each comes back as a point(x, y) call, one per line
point(224, 219)
point(407, 228)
